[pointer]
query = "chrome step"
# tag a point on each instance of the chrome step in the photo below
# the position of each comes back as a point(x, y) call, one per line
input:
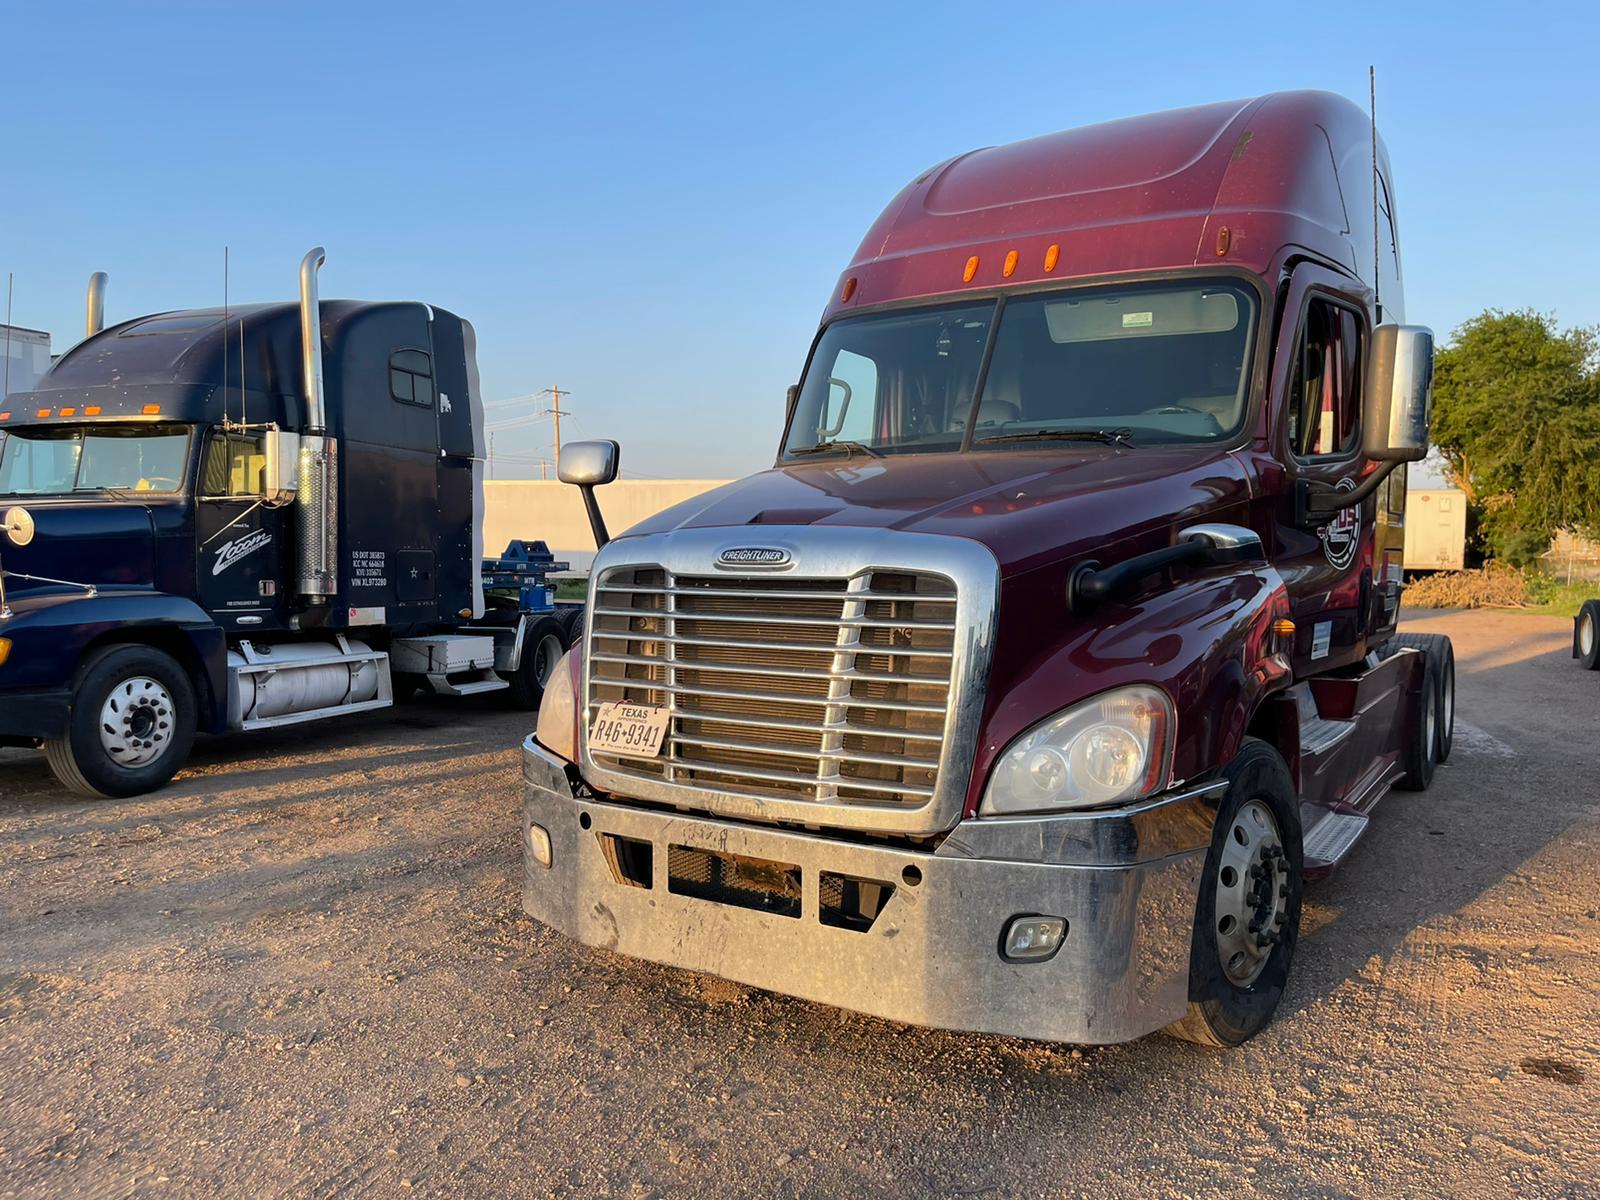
point(1330, 839)
point(1321, 734)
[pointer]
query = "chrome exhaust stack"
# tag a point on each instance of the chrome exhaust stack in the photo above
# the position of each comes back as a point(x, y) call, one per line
point(95, 310)
point(317, 491)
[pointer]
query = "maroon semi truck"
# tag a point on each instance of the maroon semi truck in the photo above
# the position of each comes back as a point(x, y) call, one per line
point(1058, 647)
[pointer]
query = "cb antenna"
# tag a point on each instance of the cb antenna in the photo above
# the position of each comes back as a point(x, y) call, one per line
point(5, 389)
point(226, 420)
point(1372, 108)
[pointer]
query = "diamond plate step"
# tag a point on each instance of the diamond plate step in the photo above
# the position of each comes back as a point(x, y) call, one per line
point(1330, 839)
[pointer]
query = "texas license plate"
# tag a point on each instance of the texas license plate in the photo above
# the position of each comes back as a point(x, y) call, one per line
point(630, 730)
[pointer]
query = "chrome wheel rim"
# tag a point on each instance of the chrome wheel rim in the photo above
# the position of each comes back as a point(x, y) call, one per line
point(1252, 893)
point(545, 657)
point(136, 722)
point(1586, 634)
point(1430, 718)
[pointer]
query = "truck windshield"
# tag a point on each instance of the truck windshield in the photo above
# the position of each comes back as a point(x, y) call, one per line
point(1129, 365)
point(60, 460)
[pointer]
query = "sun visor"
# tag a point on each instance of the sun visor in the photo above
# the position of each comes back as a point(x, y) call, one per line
point(1141, 314)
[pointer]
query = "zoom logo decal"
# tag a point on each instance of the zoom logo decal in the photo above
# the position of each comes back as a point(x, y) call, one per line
point(232, 552)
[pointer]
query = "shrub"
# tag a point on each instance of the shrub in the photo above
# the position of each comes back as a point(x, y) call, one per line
point(1493, 586)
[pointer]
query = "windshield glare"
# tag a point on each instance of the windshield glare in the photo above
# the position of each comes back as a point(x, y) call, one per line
point(1138, 364)
point(57, 461)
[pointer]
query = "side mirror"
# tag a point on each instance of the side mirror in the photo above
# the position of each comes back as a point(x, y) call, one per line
point(280, 479)
point(790, 399)
point(588, 465)
point(1399, 394)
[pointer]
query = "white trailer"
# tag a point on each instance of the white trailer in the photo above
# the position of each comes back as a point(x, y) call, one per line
point(24, 357)
point(1436, 529)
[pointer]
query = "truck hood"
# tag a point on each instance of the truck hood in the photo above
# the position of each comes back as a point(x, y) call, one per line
point(92, 542)
point(1029, 508)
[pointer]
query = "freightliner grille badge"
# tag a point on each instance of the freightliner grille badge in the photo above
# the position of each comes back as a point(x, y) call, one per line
point(760, 558)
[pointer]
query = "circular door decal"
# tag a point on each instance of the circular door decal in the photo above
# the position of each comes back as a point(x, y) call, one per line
point(19, 526)
point(1341, 537)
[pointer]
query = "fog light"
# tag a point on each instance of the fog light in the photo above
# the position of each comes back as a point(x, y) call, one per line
point(1033, 938)
point(539, 844)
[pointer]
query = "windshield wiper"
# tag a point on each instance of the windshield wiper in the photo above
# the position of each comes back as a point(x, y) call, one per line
point(116, 493)
point(1111, 437)
point(838, 444)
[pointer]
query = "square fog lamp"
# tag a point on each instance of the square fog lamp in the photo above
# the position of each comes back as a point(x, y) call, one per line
point(1033, 938)
point(539, 844)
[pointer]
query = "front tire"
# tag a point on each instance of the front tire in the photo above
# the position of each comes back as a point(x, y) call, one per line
point(1247, 916)
point(131, 726)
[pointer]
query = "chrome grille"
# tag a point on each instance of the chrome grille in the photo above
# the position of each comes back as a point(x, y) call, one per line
point(824, 691)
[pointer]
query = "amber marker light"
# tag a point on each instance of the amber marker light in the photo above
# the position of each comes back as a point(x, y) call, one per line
point(1011, 265)
point(92, 410)
point(42, 413)
point(68, 412)
point(1051, 257)
point(1283, 627)
point(5, 416)
point(1223, 238)
point(151, 410)
point(849, 290)
point(972, 269)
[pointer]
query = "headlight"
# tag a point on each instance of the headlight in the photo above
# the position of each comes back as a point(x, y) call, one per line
point(1107, 750)
point(557, 728)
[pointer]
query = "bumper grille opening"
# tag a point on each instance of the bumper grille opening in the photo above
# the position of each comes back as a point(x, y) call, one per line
point(848, 902)
point(631, 860)
point(755, 883)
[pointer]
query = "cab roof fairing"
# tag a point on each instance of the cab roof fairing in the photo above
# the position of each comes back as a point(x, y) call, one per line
point(1287, 174)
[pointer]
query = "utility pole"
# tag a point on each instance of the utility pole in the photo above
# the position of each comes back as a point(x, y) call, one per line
point(555, 410)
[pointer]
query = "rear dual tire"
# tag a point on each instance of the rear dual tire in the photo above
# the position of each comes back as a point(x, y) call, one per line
point(1434, 734)
point(131, 725)
point(542, 647)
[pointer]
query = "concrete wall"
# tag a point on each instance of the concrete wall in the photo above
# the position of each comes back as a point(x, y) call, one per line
point(553, 512)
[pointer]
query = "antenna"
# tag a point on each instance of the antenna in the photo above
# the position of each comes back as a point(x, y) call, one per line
point(5, 389)
point(225, 421)
point(1372, 108)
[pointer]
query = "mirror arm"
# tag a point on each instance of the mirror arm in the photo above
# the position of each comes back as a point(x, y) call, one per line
point(597, 522)
point(1316, 502)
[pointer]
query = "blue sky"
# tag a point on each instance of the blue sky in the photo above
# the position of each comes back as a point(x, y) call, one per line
point(648, 204)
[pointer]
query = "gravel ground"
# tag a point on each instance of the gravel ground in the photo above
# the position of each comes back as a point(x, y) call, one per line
point(303, 971)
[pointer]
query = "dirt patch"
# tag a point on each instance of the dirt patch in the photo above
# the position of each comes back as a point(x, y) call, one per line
point(304, 971)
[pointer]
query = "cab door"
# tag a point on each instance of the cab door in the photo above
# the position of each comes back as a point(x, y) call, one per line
point(242, 554)
point(1333, 582)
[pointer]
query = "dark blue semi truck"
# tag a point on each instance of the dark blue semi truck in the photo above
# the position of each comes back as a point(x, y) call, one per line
point(227, 519)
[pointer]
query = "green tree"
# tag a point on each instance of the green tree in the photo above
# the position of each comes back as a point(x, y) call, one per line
point(1517, 418)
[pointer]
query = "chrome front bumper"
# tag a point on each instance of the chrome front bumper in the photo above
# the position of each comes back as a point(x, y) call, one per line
point(1126, 882)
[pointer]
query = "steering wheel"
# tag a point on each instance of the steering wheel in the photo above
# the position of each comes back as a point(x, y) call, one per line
point(150, 482)
point(1173, 409)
